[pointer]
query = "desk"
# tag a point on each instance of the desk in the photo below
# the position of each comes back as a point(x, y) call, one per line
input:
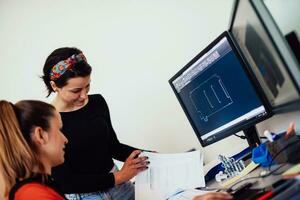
point(262, 182)
point(259, 182)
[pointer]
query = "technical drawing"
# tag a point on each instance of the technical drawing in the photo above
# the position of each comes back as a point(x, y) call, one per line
point(210, 97)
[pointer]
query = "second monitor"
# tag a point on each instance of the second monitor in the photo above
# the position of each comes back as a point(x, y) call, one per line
point(218, 93)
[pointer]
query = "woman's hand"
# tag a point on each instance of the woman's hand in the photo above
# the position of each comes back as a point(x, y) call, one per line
point(213, 196)
point(132, 166)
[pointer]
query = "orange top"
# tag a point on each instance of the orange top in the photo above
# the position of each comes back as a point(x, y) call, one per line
point(36, 191)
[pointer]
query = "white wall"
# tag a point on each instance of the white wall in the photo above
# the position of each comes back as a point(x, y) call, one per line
point(286, 14)
point(134, 46)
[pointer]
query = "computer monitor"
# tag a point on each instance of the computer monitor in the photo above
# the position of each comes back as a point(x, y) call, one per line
point(218, 93)
point(267, 52)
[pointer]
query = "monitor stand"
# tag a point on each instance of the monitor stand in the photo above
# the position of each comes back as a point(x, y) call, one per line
point(252, 136)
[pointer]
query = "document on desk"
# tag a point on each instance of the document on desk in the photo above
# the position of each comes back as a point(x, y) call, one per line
point(167, 173)
point(186, 194)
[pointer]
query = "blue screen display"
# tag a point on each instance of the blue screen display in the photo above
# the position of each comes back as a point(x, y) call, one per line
point(217, 93)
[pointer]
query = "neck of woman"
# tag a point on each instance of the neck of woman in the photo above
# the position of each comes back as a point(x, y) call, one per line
point(62, 106)
point(46, 169)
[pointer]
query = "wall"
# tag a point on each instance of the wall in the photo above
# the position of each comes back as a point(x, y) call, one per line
point(279, 123)
point(286, 14)
point(134, 47)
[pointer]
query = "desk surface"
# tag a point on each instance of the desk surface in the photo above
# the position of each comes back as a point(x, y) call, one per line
point(260, 182)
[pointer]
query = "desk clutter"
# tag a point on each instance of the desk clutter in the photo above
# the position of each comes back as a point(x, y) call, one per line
point(287, 186)
point(231, 166)
point(283, 189)
point(279, 152)
point(280, 148)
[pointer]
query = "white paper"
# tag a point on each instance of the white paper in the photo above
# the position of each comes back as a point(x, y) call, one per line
point(187, 194)
point(168, 173)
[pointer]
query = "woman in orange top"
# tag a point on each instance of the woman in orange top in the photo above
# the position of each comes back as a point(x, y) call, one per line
point(31, 143)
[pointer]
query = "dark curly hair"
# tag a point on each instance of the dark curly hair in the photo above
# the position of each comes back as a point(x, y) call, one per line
point(80, 69)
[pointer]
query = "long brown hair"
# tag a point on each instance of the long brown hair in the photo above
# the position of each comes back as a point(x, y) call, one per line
point(18, 155)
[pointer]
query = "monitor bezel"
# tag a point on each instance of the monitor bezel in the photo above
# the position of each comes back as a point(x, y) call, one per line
point(288, 106)
point(234, 129)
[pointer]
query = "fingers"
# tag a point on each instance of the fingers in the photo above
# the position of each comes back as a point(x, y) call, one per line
point(135, 164)
point(135, 161)
point(141, 169)
point(220, 195)
point(139, 159)
point(132, 166)
point(138, 163)
point(214, 196)
point(141, 164)
point(134, 154)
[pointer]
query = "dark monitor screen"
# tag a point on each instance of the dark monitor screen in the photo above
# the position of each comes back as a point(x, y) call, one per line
point(267, 52)
point(217, 92)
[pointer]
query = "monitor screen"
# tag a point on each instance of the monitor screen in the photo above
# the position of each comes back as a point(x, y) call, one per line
point(217, 92)
point(266, 51)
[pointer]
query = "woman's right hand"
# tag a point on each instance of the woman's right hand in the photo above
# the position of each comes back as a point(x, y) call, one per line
point(213, 196)
point(132, 166)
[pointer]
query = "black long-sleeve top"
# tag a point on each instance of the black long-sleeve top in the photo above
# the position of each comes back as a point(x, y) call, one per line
point(91, 147)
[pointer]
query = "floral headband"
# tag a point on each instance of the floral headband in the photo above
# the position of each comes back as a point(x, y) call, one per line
point(61, 67)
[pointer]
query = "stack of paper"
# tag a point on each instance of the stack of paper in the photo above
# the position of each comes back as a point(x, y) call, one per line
point(168, 173)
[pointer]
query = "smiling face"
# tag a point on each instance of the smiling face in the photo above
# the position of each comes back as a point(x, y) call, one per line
point(75, 93)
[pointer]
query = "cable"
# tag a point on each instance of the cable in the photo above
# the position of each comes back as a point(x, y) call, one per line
point(273, 171)
point(209, 188)
point(255, 177)
point(240, 136)
point(249, 178)
point(269, 168)
point(244, 137)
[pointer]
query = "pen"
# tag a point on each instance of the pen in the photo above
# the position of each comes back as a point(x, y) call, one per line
point(265, 196)
point(176, 193)
point(283, 186)
point(149, 151)
point(275, 136)
point(277, 190)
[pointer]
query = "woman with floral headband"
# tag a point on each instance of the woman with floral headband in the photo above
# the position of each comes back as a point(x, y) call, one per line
point(89, 171)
